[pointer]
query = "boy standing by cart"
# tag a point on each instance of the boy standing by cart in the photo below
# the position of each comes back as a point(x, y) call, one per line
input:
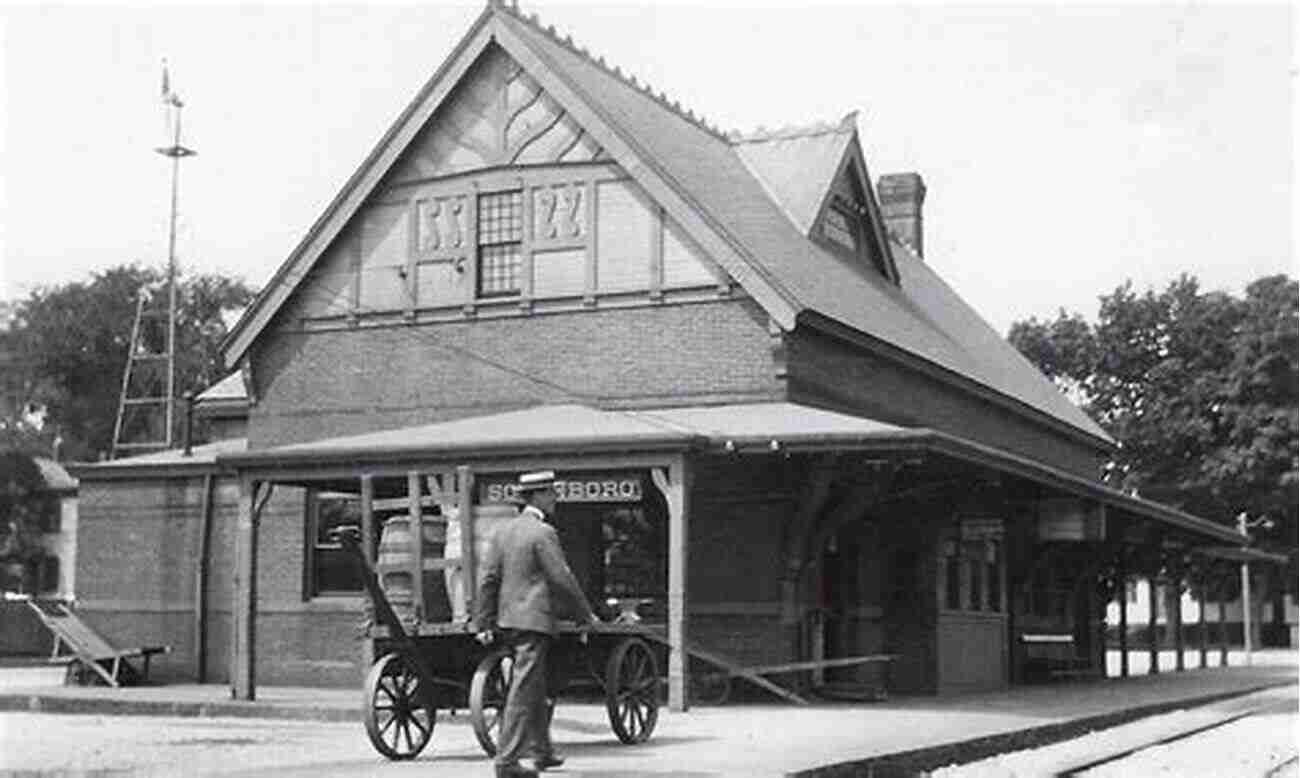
point(527, 586)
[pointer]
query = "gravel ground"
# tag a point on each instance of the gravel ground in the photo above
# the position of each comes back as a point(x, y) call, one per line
point(1248, 747)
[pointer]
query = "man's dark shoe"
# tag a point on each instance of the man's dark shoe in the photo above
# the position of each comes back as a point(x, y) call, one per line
point(547, 762)
point(515, 771)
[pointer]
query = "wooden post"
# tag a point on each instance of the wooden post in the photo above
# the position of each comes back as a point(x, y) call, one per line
point(201, 582)
point(1223, 625)
point(1123, 615)
point(1176, 618)
point(368, 517)
point(368, 549)
point(1153, 635)
point(417, 543)
point(1200, 616)
point(243, 656)
point(468, 565)
point(674, 482)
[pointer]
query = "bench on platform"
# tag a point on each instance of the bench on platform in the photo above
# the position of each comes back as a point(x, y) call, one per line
point(90, 651)
point(1053, 655)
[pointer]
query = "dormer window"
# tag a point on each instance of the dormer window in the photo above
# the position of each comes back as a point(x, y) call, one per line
point(841, 226)
point(500, 243)
point(844, 223)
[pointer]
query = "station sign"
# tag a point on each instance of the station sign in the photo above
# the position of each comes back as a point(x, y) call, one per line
point(569, 488)
point(1071, 520)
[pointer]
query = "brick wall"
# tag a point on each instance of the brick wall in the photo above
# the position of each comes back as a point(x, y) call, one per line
point(322, 384)
point(136, 572)
point(824, 369)
point(739, 509)
point(137, 546)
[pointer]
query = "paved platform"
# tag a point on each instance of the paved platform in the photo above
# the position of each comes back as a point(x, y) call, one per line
point(830, 739)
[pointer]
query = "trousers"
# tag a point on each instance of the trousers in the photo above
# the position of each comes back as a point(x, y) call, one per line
point(526, 720)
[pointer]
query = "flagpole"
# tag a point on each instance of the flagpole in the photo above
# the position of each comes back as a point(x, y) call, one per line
point(177, 152)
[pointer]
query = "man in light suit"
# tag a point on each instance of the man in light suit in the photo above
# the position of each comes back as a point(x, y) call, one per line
point(526, 587)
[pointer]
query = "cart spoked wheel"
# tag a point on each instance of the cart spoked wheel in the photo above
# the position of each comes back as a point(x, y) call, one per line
point(632, 691)
point(487, 698)
point(399, 710)
point(710, 688)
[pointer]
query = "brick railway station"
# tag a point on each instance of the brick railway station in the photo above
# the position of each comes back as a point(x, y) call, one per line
point(784, 438)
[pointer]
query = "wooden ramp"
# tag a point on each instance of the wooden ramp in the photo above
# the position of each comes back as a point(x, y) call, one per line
point(729, 667)
point(89, 649)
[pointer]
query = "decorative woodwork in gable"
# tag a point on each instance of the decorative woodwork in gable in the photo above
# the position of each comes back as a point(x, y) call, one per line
point(498, 115)
point(590, 235)
point(845, 221)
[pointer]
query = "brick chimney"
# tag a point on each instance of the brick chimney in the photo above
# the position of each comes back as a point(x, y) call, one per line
point(901, 196)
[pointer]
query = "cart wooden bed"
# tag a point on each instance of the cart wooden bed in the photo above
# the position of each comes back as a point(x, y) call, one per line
point(423, 668)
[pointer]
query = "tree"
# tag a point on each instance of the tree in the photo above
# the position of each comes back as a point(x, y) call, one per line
point(74, 339)
point(1199, 389)
point(23, 506)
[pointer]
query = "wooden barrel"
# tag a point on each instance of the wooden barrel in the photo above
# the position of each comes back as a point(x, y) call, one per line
point(394, 560)
point(394, 563)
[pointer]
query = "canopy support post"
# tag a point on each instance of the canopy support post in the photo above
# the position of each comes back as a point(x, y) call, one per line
point(1123, 615)
point(674, 482)
point(243, 656)
point(1153, 634)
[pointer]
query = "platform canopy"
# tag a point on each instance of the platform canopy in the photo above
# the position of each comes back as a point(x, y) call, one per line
point(738, 428)
point(1241, 554)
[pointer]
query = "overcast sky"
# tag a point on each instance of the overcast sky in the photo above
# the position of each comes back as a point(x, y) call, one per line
point(1066, 147)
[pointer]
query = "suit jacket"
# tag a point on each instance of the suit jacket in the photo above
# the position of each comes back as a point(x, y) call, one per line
point(526, 582)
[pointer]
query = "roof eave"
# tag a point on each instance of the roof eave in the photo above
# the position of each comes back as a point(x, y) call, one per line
point(274, 459)
point(93, 472)
point(835, 328)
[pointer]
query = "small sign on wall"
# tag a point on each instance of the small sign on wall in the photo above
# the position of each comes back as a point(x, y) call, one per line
point(981, 528)
point(1070, 519)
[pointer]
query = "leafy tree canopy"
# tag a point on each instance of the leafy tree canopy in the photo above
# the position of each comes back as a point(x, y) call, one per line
point(1199, 388)
point(21, 503)
point(73, 340)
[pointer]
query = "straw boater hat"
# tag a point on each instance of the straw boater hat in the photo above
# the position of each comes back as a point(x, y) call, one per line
point(537, 481)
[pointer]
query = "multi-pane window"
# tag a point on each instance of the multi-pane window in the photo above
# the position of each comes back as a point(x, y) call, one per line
point(500, 233)
point(994, 571)
point(972, 575)
point(330, 569)
point(975, 567)
point(952, 576)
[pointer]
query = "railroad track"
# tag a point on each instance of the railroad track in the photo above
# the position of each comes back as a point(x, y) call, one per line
point(1254, 707)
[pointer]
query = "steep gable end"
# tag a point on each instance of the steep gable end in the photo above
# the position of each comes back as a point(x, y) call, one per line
point(849, 220)
point(502, 202)
point(818, 177)
point(497, 115)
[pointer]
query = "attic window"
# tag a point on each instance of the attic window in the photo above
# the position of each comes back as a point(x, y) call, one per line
point(841, 227)
point(500, 237)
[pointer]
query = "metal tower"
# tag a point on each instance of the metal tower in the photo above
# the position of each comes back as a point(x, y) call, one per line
point(146, 410)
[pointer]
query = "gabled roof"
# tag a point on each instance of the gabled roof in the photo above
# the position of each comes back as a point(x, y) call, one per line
point(226, 398)
point(56, 478)
point(797, 165)
point(707, 184)
point(230, 388)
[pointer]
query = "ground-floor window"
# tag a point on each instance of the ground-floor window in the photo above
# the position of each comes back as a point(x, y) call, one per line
point(330, 570)
point(971, 573)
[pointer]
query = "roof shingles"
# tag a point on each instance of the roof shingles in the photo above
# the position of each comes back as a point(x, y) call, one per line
point(923, 316)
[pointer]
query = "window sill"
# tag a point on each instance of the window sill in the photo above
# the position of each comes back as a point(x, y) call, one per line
point(335, 602)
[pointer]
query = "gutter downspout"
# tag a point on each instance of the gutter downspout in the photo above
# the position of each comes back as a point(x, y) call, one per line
point(201, 583)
